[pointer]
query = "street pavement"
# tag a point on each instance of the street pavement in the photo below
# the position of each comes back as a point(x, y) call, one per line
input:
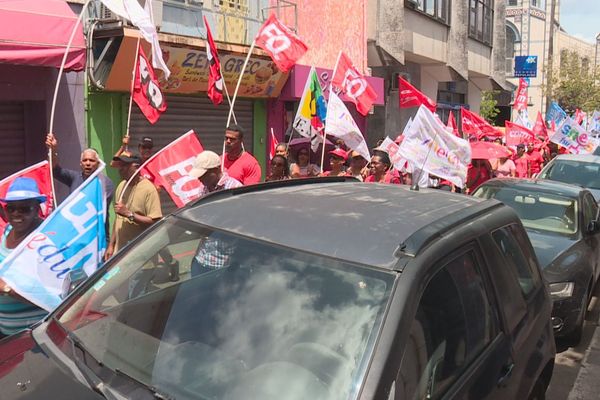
point(577, 369)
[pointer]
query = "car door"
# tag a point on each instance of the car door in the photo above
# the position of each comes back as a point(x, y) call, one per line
point(456, 348)
point(592, 239)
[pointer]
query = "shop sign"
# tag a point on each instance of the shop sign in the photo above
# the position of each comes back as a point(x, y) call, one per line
point(525, 67)
point(189, 73)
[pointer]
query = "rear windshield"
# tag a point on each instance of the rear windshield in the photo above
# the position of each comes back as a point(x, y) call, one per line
point(580, 173)
point(246, 319)
point(537, 210)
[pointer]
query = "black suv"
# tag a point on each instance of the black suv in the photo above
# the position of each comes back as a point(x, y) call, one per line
point(308, 289)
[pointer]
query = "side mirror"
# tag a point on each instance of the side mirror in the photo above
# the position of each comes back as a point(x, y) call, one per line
point(593, 226)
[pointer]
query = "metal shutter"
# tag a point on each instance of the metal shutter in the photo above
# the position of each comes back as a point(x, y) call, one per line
point(183, 114)
point(12, 138)
point(197, 113)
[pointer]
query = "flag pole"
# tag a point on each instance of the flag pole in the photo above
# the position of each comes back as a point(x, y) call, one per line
point(52, 111)
point(237, 86)
point(324, 130)
point(135, 67)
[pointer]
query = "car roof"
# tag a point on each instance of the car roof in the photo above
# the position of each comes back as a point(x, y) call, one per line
point(538, 185)
point(590, 158)
point(360, 222)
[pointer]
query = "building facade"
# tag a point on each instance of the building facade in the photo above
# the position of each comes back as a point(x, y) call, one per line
point(529, 31)
point(451, 50)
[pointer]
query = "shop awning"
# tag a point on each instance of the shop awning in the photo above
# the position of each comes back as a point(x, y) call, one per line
point(36, 32)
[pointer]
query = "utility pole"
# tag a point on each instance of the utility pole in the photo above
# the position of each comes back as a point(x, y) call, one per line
point(550, 74)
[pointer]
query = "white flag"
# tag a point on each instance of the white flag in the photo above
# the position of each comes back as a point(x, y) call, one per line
point(391, 147)
point(143, 19)
point(572, 136)
point(429, 146)
point(339, 123)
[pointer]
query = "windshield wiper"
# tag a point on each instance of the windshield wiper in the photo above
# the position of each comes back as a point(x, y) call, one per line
point(157, 394)
point(93, 381)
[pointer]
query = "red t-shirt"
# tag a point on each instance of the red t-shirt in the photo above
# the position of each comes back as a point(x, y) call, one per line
point(244, 169)
point(388, 178)
point(477, 176)
point(521, 164)
point(535, 161)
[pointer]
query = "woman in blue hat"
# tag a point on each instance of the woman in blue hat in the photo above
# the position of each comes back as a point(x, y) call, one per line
point(22, 210)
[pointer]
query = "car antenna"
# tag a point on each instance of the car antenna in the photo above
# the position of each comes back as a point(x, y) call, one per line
point(415, 182)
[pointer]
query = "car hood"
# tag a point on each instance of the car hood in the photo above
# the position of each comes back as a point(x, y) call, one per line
point(556, 254)
point(26, 372)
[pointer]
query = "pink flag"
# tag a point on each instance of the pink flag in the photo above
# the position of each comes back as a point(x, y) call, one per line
point(39, 172)
point(516, 134)
point(411, 97)
point(283, 45)
point(521, 98)
point(353, 84)
point(171, 165)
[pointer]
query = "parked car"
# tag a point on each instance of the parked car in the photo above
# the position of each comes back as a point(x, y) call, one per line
point(578, 169)
point(562, 223)
point(304, 289)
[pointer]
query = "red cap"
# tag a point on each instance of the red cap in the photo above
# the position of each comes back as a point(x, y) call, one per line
point(339, 153)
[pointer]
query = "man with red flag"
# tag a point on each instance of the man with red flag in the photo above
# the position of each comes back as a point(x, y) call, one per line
point(283, 45)
point(353, 84)
point(215, 79)
point(146, 90)
point(411, 97)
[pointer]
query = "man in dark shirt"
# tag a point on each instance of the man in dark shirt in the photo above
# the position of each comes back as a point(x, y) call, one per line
point(89, 162)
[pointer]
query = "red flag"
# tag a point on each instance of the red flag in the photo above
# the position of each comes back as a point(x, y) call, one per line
point(146, 90)
point(171, 165)
point(215, 80)
point(283, 45)
point(474, 124)
point(452, 125)
point(521, 98)
point(39, 172)
point(540, 130)
point(353, 84)
point(516, 134)
point(272, 145)
point(411, 97)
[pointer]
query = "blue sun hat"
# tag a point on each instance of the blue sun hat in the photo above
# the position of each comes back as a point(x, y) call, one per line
point(23, 188)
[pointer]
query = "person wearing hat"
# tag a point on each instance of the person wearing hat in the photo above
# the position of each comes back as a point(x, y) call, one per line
point(22, 210)
point(138, 208)
point(89, 162)
point(358, 166)
point(337, 159)
point(239, 164)
point(145, 149)
point(207, 169)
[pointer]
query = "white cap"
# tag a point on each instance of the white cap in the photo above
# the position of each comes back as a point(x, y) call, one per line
point(205, 161)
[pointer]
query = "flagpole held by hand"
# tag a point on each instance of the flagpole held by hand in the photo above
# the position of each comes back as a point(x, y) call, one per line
point(237, 86)
point(135, 67)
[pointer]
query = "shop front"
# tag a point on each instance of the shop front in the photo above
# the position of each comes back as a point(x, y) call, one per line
point(281, 111)
point(33, 36)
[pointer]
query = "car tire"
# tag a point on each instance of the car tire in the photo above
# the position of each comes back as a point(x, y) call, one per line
point(575, 336)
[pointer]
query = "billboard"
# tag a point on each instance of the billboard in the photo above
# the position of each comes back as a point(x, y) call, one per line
point(525, 66)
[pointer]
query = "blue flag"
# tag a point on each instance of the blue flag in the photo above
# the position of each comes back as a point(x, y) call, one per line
point(71, 239)
point(555, 113)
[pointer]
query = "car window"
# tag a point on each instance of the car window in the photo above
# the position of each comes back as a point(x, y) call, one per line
point(246, 319)
point(590, 209)
point(581, 173)
point(510, 241)
point(453, 324)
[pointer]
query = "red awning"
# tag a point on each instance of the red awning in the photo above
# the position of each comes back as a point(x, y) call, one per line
point(36, 32)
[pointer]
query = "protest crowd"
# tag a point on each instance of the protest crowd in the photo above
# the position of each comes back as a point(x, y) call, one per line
point(324, 142)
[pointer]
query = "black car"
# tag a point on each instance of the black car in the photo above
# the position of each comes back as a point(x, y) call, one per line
point(562, 223)
point(306, 289)
point(577, 169)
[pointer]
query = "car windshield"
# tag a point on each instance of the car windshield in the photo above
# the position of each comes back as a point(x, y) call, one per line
point(537, 210)
point(585, 174)
point(245, 319)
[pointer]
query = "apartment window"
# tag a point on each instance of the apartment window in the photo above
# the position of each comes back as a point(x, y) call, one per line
point(513, 2)
point(239, 5)
point(481, 17)
point(436, 9)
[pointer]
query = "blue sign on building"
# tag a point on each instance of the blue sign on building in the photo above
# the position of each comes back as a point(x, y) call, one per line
point(525, 66)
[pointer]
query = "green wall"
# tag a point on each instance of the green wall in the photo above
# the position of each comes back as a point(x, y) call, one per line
point(260, 134)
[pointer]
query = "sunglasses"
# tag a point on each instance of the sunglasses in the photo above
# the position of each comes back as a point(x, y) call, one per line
point(12, 208)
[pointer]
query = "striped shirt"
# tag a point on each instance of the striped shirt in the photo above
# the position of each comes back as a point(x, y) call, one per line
point(226, 182)
point(15, 315)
